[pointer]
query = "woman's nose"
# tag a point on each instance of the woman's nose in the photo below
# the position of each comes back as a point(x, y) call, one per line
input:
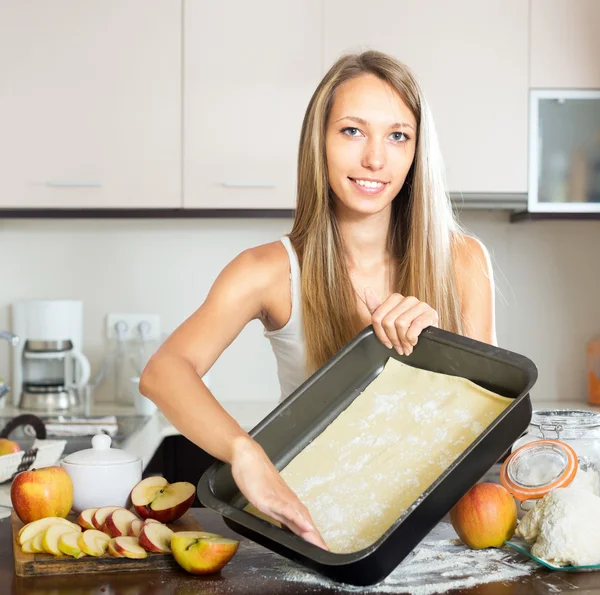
point(374, 155)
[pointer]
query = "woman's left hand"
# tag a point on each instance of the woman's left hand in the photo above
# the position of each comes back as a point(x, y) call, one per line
point(399, 320)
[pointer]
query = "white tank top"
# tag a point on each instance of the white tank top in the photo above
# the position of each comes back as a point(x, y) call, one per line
point(288, 342)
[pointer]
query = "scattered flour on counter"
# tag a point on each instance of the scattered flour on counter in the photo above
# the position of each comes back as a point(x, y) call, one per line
point(435, 566)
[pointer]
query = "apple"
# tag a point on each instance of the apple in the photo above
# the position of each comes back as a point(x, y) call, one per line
point(135, 528)
point(37, 544)
point(199, 554)
point(85, 518)
point(100, 515)
point(30, 530)
point(29, 548)
point(93, 542)
point(7, 446)
point(155, 537)
point(41, 493)
point(112, 551)
point(486, 516)
point(68, 544)
point(156, 498)
point(129, 547)
point(118, 522)
point(52, 536)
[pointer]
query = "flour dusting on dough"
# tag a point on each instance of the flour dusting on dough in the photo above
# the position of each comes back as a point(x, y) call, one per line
point(380, 454)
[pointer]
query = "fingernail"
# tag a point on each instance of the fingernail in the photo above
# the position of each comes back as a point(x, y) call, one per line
point(388, 345)
point(399, 350)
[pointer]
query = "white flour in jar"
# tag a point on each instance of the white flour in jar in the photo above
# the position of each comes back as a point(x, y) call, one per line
point(587, 480)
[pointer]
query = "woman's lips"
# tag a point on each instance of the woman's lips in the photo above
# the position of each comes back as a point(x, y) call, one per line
point(370, 191)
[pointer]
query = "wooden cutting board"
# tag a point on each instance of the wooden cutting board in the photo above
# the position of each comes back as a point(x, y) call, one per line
point(47, 564)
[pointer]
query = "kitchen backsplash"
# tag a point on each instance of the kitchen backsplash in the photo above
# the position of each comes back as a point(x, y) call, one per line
point(548, 281)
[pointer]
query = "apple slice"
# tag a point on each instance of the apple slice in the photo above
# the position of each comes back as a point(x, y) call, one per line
point(100, 515)
point(135, 528)
point(37, 544)
point(93, 542)
point(31, 529)
point(118, 522)
point(129, 547)
point(202, 555)
point(155, 537)
point(27, 547)
point(52, 535)
point(112, 551)
point(85, 518)
point(155, 498)
point(68, 544)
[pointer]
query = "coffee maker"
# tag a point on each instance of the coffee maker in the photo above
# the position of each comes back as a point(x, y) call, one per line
point(49, 369)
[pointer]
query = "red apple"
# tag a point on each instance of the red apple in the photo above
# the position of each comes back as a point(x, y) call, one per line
point(85, 518)
point(156, 498)
point(199, 554)
point(7, 446)
point(129, 547)
point(486, 516)
point(155, 537)
point(118, 522)
point(100, 515)
point(135, 528)
point(41, 493)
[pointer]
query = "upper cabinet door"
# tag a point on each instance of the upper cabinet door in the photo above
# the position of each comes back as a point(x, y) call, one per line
point(90, 103)
point(565, 44)
point(250, 70)
point(471, 59)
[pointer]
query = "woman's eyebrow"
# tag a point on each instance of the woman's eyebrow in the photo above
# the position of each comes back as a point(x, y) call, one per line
point(365, 123)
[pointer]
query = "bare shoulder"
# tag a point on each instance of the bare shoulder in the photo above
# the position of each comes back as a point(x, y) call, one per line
point(469, 251)
point(475, 288)
point(264, 264)
point(255, 281)
point(471, 259)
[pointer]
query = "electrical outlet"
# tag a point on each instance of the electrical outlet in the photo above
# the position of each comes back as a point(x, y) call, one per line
point(133, 321)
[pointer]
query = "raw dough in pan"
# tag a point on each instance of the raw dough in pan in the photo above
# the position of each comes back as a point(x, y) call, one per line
point(380, 454)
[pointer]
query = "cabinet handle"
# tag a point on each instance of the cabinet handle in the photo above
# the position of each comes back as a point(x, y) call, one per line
point(247, 185)
point(69, 184)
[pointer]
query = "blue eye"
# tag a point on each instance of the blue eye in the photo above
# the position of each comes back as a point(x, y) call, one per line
point(350, 131)
point(400, 137)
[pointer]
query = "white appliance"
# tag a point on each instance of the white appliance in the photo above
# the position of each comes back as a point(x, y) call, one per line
point(49, 369)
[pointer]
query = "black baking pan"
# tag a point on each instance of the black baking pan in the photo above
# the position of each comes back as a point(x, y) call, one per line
point(301, 417)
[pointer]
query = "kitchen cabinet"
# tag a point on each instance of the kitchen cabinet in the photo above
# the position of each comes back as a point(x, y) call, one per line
point(565, 45)
point(249, 72)
point(90, 104)
point(471, 59)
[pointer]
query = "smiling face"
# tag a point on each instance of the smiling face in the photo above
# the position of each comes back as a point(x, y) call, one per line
point(370, 145)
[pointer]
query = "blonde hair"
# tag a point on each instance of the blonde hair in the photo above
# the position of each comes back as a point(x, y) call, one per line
point(422, 226)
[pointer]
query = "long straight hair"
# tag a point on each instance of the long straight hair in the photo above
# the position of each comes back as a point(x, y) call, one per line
point(422, 226)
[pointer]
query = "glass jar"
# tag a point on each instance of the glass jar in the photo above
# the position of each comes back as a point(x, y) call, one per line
point(539, 463)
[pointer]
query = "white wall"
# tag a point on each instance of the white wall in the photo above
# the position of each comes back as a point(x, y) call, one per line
point(547, 275)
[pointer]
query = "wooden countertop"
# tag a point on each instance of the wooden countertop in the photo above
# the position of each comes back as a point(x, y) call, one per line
point(254, 570)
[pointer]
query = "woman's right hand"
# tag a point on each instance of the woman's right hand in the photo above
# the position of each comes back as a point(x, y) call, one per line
point(260, 482)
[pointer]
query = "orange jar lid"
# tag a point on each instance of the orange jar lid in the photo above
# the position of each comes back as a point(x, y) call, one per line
point(537, 468)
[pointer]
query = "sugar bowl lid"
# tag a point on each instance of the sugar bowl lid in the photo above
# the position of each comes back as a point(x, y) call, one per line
point(100, 454)
point(537, 468)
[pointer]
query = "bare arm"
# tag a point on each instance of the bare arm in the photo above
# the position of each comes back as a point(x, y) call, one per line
point(172, 377)
point(476, 291)
point(173, 380)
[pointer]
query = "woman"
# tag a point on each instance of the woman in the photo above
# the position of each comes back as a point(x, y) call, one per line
point(374, 241)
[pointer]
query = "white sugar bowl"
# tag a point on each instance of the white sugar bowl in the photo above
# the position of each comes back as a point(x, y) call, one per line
point(101, 475)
